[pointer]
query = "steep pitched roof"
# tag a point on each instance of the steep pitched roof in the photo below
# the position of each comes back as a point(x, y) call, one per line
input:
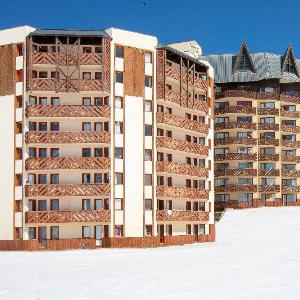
point(288, 62)
point(244, 61)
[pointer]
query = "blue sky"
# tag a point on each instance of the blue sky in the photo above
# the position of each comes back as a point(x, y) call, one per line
point(219, 26)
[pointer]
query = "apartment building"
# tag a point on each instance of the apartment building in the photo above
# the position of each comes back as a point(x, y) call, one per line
point(257, 133)
point(107, 136)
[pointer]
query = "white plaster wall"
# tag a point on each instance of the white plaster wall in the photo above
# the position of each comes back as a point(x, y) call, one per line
point(15, 35)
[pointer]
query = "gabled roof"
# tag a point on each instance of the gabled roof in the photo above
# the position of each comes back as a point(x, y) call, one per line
point(288, 62)
point(244, 61)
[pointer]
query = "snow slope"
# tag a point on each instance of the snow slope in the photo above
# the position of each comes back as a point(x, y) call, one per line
point(256, 256)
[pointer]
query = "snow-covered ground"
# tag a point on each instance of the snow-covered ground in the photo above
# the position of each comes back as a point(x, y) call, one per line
point(256, 256)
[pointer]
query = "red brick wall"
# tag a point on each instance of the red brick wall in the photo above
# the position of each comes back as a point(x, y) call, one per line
point(7, 70)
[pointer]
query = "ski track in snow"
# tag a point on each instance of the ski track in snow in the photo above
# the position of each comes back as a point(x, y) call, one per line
point(256, 256)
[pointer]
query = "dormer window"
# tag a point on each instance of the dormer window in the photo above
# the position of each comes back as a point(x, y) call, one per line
point(244, 61)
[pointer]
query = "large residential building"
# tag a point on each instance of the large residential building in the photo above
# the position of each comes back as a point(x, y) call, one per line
point(257, 133)
point(105, 135)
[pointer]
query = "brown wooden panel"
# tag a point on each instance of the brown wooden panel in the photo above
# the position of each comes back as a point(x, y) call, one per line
point(7, 67)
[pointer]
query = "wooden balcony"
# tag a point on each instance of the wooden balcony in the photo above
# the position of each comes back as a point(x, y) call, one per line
point(268, 111)
point(267, 126)
point(263, 172)
point(70, 111)
point(247, 94)
point(68, 163)
point(289, 128)
point(234, 125)
point(268, 157)
point(181, 122)
point(66, 86)
point(175, 192)
point(236, 188)
point(290, 189)
point(290, 114)
point(236, 172)
point(290, 144)
point(290, 173)
point(180, 169)
point(235, 141)
point(290, 158)
point(172, 72)
point(290, 99)
point(61, 58)
point(182, 146)
point(181, 216)
point(67, 137)
point(235, 110)
point(269, 188)
point(61, 190)
point(63, 216)
point(264, 141)
point(236, 156)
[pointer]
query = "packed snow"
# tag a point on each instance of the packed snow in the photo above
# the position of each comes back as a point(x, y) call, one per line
point(256, 256)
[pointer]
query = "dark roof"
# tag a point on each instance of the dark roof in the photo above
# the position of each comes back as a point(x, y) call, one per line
point(70, 32)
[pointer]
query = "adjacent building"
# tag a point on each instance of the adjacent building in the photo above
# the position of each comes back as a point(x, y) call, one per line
point(106, 135)
point(257, 133)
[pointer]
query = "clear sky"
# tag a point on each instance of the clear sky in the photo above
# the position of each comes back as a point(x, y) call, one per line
point(218, 26)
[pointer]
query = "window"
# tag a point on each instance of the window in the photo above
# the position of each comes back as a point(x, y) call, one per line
point(244, 134)
point(245, 181)
point(55, 101)
point(86, 178)
point(98, 49)
point(148, 130)
point(267, 135)
point(54, 233)
point(289, 167)
point(86, 101)
point(119, 77)
point(267, 151)
point(98, 126)
point(270, 120)
point(54, 204)
point(148, 204)
point(267, 166)
point(289, 198)
point(54, 152)
point(32, 100)
point(42, 126)
point(222, 197)
point(244, 119)
point(99, 101)
point(43, 100)
point(43, 74)
point(245, 197)
point(148, 57)
point(148, 81)
point(54, 126)
point(86, 126)
point(221, 181)
point(221, 135)
point(148, 179)
point(42, 205)
point(160, 156)
point(245, 165)
point(119, 127)
point(118, 102)
point(289, 181)
point(119, 178)
point(32, 152)
point(201, 228)
point(86, 49)
point(98, 204)
point(268, 181)
point(54, 75)
point(221, 151)
point(86, 204)
point(188, 229)
point(42, 179)
point(32, 233)
point(86, 152)
point(98, 178)
point(98, 152)
point(118, 230)
point(98, 75)
point(220, 120)
point(119, 152)
point(31, 178)
point(148, 106)
point(148, 155)
point(267, 105)
point(86, 232)
point(221, 104)
point(87, 75)
point(32, 205)
point(32, 126)
point(119, 52)
point(118, 204)
point(148, 230)
point(54, 178)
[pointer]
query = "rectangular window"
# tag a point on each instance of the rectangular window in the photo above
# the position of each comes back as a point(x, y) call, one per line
point(86, 232)
point(31, 178)
point(42, 126)
point(119, 127)
point(43, 100)
point(32, 152)
point(86, 126)
point(54, 233)
point(42, 152)
point(148, 155)
point(98, 204)
point(32, 233)
point(86, 101)
point(54, 126)
point(148, 179)
point(54, 204)
point(148, 130)
point(42, 178)
point(148, 106)
point(99, 101)
point(86, 178)
point(87, 75)
point(118, 204)
point(119, 77)
point(148, 81)
point(32, 100)
point(54, 152)
point(98, 152)
point(86, 204)
point(118, 102)
point(32, 205)
point(98, 75)
point(55, 101)
point(119, 52)
point(148, 230)
point(119, 178)
point(98, 178)
point(148, 57)
point(119, 152)
point(148, 204)
point(42, 205)
point(54, 178)
point(118, 230)
point(98, 126)
point(86, 152)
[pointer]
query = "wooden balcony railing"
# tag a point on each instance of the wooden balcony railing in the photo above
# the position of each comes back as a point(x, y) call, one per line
point(267, 126)
point(290, 188)
point(234, 125)
point(60, 216)
point(172, 72)
point(181, 122)
point(265, 141)
point(247, 94)
point(180, 169)
point(59, 190)
point(268, 188)
point(67, 137)
point(235, 141)
point(290, 158)
point(236, 172)
point(290, 114)
point(263, 172)
point(268, 157)
point(70, 111)
point(290, 173)
point(289, 128)
point(235, 110)
point(181, 192)
point(236, 156)
point(268, 111)
point(182, 146)
point(181, 216)
point(68, 163)
point(290, 99)
point(235, 188)
point(290, 144)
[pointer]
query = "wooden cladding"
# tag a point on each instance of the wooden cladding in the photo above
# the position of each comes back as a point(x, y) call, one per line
point(235, 110)
point(71, 111)
point(182, 146)
point(234, 125)
point(60, 137)
point(180, 169)
point(37, 190)
point(236, 156)
point(134, 72)
point(67, 163)
point(182, 216)
point(59, 216)
point(236, 172)
point(181, 122)
point(7, 70)
point(160, 74)
point(181, 192)
point(235, 141)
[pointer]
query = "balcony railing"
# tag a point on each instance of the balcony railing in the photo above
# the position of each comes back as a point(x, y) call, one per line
point(59, 190)
point(181, 192)
point(182, 146)
point(236, 188)
point(290, 144)
point(235, 110)
point(181, 122)
point(290, 188)
point(290, 114)
point(181, 216)
point(71, 111)
point(290, 158)
point(67, 137)
point(236, 156)
point(247, 94)
point(61, 216)
point(234, 125)
point(290, 99)
point(290, 173)
point(269, 188)
point(68, 163)
point(235, 141)
point(180, 169)
point(268, 157)
point(267, 141)
point(268, 111)
point(263, 172)
point(289, 128)
point(236, 172)
point(267, 126)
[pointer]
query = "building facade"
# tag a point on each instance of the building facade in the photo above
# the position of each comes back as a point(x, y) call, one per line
point(107, 136)
point(257, 131)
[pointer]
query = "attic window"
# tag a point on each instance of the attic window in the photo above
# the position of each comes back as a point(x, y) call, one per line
point(244, 61)
point(289, 64)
